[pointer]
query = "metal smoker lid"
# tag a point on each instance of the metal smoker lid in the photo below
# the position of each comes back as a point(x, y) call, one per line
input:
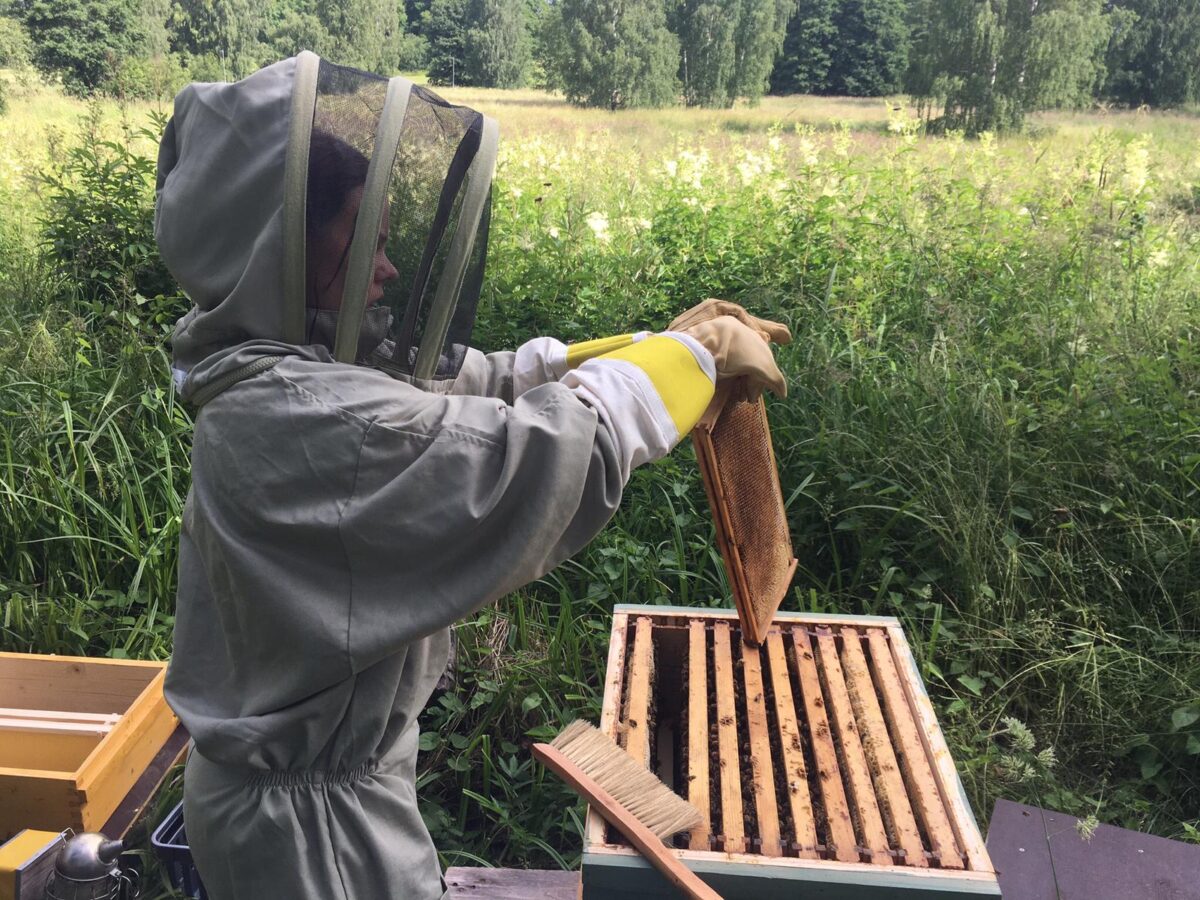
point(741, 479)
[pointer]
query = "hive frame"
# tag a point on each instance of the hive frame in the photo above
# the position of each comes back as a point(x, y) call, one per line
point(755, 611)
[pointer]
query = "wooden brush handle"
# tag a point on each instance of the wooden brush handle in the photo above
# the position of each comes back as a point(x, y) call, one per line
point(625, 822)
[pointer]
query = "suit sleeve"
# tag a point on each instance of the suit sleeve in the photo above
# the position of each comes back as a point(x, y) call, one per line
point(468, 498)
point(444, 521)
point(508, 374)
point(486, 375)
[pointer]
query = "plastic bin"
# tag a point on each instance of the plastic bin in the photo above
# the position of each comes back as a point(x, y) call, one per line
point(170, 845)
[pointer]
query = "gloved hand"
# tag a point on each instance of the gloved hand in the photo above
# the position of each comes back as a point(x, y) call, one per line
point(709, 309)
point(740, 350)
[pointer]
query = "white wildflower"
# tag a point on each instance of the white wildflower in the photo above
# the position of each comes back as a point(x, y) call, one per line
point(751, 166)
point(841, 139)
point(1159, 258)
point(553, 232)
point(692, 167)
point(1137, 165)
point(806, 148)
point(901, 120)
point(598, 222)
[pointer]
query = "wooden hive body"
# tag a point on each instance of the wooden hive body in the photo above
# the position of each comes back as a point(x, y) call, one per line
point(815, 757)
point(75, 735)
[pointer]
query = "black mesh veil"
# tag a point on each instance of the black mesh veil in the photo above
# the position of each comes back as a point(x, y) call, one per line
point(397, 206)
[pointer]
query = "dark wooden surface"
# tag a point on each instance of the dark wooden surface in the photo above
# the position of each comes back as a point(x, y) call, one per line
point(511, 884)
point(1041, 855)
point(126, 815)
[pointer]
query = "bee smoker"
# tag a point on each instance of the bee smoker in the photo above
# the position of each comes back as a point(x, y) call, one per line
point(87, 869)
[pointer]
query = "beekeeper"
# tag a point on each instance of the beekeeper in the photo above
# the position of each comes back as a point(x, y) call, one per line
point(361, 478)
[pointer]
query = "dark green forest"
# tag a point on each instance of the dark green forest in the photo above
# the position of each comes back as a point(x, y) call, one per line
point(973, 65)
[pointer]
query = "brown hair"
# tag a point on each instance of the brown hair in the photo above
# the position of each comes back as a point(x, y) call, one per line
point(335, 169)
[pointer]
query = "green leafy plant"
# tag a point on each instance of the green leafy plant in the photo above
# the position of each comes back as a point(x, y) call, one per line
point(98, 228)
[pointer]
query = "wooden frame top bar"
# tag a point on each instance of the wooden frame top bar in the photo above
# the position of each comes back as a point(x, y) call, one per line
point(700, 612)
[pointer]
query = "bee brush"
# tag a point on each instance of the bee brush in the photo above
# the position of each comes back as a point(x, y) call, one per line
point(628, 796)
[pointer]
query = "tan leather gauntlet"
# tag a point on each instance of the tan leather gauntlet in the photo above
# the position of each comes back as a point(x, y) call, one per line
point(776, 332)
point(740, 350)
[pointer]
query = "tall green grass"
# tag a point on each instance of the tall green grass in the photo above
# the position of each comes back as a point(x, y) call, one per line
point(992, 431)
point(92, 475)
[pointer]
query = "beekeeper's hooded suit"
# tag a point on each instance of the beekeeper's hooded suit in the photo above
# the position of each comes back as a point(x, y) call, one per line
point(342, 515)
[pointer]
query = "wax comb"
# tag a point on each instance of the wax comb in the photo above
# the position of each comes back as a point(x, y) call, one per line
point(741, 479)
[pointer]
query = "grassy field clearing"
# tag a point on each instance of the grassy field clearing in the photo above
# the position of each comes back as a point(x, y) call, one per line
point(992, 430)
point(524, 113)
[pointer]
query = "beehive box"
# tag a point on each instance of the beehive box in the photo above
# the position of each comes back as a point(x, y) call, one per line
point(75, 734)
point(815, 758)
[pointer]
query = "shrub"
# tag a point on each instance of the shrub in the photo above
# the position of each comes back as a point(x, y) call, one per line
point(147, 78)
point(98, 229)
point(16, 51)
point(84, 42)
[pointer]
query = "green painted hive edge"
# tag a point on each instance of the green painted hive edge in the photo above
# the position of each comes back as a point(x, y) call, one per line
point(629, 877)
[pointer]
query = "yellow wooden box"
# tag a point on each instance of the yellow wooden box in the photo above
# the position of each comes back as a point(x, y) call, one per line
point(75, 734)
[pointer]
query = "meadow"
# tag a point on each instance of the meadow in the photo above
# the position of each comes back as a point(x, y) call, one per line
point(992, 429)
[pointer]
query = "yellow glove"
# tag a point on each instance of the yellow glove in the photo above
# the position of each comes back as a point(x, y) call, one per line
point(740, 350)
point(775, 332)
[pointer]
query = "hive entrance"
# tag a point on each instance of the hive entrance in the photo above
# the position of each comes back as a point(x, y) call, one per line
point(805, 747)
point(737, 464)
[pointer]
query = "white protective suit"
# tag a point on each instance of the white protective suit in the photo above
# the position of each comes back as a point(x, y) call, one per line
point(342, 516)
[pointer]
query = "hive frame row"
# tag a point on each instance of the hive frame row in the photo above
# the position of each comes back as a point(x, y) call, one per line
point(612, 870)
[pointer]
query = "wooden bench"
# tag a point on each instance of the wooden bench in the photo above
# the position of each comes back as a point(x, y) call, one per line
point(468, 883)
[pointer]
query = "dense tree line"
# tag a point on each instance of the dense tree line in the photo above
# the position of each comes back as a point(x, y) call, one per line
point(971, 64)
point(845, 47)
point(983, 64)
point(598, 52)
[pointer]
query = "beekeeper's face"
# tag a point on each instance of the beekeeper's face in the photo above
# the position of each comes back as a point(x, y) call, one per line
point(329, 253)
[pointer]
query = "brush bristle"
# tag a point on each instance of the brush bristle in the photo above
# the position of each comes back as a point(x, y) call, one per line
point(633, 786)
